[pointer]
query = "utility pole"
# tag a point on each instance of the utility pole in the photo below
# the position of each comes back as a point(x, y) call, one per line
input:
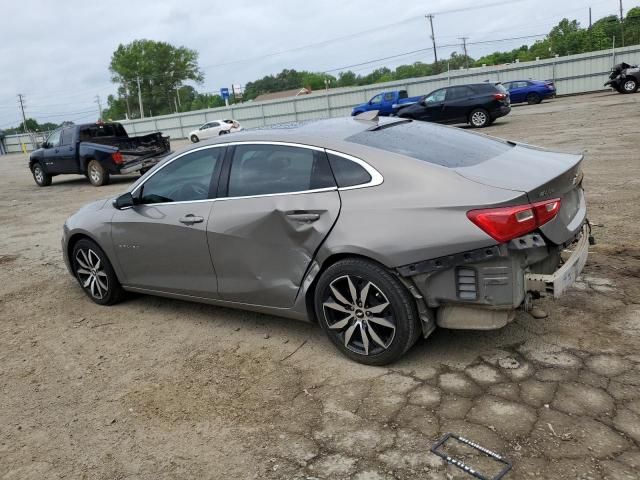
point(140, 98)
point(621, 25)
point(589, 18)
point(464, 48)
point(99, 106)
point(24, 117)
point(126, 100)
point(433, 39)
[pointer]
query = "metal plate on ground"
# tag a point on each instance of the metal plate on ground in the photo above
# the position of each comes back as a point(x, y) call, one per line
point(437, 449)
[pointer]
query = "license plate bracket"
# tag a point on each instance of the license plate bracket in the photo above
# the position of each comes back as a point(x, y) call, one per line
point(463, 466)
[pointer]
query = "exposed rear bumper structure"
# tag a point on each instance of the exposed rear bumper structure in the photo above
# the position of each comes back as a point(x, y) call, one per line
point(560, 280)
point(480, 290)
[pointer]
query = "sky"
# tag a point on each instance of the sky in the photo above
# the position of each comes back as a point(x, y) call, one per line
point(57, 54)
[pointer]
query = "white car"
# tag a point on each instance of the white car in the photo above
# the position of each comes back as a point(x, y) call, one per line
point(213, 129)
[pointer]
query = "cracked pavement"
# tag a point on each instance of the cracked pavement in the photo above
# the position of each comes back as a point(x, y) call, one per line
point(156, 388)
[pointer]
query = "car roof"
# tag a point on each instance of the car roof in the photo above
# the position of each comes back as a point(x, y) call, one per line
point(327, 133)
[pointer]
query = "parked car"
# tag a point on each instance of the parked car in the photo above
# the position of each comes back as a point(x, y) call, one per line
point(478, 104)
point(214, 128)
point(624, 78)
point(386, 103)
point(96, 150)
point(379, 231)
point(530, 91)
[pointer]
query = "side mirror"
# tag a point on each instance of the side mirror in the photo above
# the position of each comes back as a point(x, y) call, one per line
point(124, 201)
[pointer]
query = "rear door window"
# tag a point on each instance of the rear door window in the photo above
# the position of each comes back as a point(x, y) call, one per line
point(456, 93)
point(67, 136)
point(403, 94)
point(271, 169)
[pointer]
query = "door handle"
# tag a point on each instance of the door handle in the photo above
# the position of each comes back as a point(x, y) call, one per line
point(304, 217)
point(190, 219)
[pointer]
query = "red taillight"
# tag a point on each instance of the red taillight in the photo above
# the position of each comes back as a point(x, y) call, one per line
point(499, 96)
point(506, 223)
point(117, 158)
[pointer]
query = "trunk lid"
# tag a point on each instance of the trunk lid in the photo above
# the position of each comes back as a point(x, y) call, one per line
point(541, 175)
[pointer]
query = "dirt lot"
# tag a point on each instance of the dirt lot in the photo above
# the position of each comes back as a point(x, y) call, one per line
point(156, 388)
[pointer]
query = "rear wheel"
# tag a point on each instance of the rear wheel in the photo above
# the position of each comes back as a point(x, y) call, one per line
point(98, 175)
point(479, 118)
point(223, 132)
point(533, 98)
point(194, 139)
point(366, 312)
point(95, 273)
point(42, 178)
point(630, 85)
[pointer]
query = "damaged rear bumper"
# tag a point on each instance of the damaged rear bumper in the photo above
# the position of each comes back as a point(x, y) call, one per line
point(559, 281)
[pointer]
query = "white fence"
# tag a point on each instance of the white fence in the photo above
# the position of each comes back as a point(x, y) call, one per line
point(572, 74)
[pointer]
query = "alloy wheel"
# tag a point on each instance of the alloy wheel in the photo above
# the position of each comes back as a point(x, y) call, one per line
point(629, 86)
point(91, 273)
point(478, 118)
point(360, 314)
point(94, 174)
point(38, 174)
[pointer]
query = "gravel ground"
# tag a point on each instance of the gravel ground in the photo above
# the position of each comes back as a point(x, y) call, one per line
point(156, 388)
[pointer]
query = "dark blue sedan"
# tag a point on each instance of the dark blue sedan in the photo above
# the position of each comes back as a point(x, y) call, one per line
point(530, 91)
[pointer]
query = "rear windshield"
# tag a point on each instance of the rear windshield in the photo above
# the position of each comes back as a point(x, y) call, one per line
point(445, 146)
point(103, 130)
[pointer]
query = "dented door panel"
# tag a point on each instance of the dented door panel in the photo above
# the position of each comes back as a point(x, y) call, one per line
point(262, 246)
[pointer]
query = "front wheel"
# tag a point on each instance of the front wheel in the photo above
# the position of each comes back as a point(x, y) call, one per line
point(223, 132)
point(194, 139)
point(98, 175)
point(95, 273)
point(630, 85)
point(42, 178)
point(366, 312)
point(479, 118)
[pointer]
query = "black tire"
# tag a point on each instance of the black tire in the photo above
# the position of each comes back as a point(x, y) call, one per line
point(629, 85)
point(479, 118)
point(97, 174)
point(42, 178)
point(223, 132)
point(396, 326)
point(533, 98)
point(194, 139)
point(90, 264)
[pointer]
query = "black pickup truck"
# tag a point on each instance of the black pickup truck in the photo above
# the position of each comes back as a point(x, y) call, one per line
point(96, 150)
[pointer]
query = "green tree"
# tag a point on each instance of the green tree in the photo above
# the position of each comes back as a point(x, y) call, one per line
point(161, 67)
point(347, 79)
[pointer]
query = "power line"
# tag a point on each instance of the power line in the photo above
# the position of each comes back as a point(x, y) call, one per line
point(425, 49)
point(360, 33)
